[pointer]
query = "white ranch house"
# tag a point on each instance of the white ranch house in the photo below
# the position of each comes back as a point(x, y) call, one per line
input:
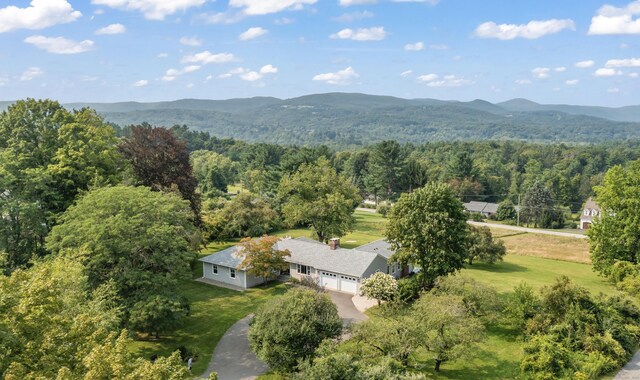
point(329, 265)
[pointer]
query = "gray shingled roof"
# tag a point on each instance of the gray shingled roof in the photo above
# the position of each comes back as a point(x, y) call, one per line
point(351, 262)
point(473, 206)
point(227, 258)
point(381, 247)
point(345, 261)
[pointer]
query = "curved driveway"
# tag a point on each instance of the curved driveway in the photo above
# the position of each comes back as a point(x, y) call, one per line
point(233, 358)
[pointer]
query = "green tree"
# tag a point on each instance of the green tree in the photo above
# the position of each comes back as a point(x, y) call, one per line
point(142, 241)
point(385, 169)
point(538, 206)
point(262, 258)
point(213, 172)
point(506, 211)
point(615, 235)
point(317, 196)
point(447, 328)
point(244, 215)
point(428, 228)
point(483, 247)
point(545, 359)
point(380, 286)
point(291, 327)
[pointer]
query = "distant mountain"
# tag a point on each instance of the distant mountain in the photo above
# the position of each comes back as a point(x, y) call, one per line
point(629, 113)
point(347, 119)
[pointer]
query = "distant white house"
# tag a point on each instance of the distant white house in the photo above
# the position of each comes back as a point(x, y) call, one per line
point(485, 208)
point(329, 265)
point(589, 213)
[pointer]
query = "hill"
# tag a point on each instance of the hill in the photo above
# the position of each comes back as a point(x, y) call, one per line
point(350, 119)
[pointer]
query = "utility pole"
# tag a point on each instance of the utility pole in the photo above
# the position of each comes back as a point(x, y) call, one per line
point(518, 211)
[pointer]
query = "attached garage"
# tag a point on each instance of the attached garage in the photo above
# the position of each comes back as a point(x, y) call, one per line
point(348, 284)
point(329, 280)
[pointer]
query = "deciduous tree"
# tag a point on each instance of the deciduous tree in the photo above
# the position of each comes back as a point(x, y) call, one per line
point(291, 327)
point(262, 258)
point(483, 247)
point(380, 286)
point(317, 196)
point(428, 228)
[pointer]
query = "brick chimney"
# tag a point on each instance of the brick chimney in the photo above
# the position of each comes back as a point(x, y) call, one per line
point(334, 244)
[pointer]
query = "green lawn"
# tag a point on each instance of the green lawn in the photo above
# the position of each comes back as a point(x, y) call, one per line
point(213, 311)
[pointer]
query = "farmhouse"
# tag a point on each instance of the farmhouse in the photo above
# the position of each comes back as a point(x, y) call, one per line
point(329, 265)
point(590, 212)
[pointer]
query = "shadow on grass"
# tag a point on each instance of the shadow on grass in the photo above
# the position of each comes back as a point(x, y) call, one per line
point(501, 267)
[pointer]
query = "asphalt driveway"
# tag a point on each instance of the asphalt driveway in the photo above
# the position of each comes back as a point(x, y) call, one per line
point(233, 358)
point(346, 309)
point(631, 370)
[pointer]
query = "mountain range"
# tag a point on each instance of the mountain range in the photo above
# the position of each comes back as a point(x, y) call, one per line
point(348, 119)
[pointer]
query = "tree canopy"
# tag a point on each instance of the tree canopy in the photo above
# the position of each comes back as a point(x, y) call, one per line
point(142, 241)
point(315, 195)
point(262, 258)
point(428, 228)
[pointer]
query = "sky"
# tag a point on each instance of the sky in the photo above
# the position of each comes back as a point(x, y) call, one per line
point(549, 51)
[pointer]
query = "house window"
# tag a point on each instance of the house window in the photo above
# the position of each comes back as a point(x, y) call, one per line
point(232, 273)
point(587, 212)
point(387, 268)
point(303, 269)
point(594, 212)
point(214, 269)
point(393, 267)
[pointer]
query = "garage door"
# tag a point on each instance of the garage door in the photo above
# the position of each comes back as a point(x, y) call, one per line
point(348, 284)
point(329, 280)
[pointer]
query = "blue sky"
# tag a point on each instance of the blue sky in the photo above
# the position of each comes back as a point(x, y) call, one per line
point(568, 51)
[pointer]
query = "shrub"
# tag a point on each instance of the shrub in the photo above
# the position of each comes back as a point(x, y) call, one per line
point(380, 286)
point(383, 209)
point(409, 289)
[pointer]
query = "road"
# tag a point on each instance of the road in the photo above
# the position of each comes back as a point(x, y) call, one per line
point(530, 230)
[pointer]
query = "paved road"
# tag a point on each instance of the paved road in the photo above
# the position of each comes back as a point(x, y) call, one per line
point(233, 358)
point(531, 230)
point(631, 371)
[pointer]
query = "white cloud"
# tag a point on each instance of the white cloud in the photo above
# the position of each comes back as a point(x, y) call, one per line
point(263, 7)
point(584, 64)
point(613, 20)
point(112, 29)
point(532, 30)
point(541, 72)
point(629, 62)
point(206, 57)
point(572, 82)
point(60, 45)
point(39, 14)
point(414, 47)
point(365, 34)
point(523, 81)
point(190, 41)
point(151, 9)
point(251, 76)
point(191, 68)
point(252, 33)
point(162, 55)
point(613, 90)
point(141, 83)
point(221, 17)
point(634, 75)
point(341, 77)
point(3, 81)
point(430, 2)
point(560, 69)
point(406, 73)
point(347, 3)
point(31, 73)
point(353, 16)
point(268, 69)
point(607, 72)
point(433, 80)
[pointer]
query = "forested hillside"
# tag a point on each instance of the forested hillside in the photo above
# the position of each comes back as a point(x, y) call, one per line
point(351, 120)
